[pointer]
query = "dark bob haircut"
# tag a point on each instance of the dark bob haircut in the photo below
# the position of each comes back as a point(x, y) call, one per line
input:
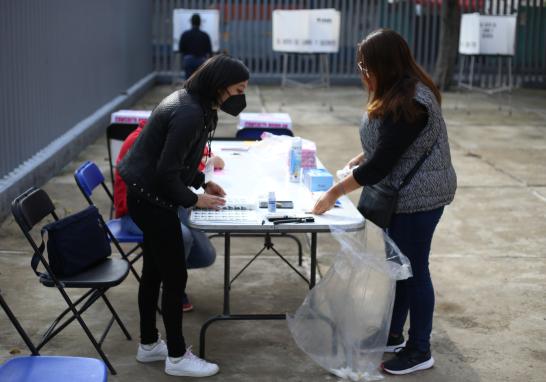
point(215, 75)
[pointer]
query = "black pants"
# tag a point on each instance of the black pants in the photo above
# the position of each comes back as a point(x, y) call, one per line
point(163, 262)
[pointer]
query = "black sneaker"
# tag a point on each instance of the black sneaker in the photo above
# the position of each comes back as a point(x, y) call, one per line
point(395, 344)
point(407, 361)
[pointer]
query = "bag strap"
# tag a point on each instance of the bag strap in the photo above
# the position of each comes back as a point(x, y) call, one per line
point(36, 256)
point(410, 175)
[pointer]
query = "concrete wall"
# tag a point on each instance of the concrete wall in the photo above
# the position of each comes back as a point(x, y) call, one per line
point(65, 64)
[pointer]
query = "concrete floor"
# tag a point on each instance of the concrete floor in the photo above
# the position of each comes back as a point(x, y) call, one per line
point(487, 262)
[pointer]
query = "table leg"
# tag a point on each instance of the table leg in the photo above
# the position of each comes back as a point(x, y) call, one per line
point(227, 243)
point(313, 259)
point(226, 315)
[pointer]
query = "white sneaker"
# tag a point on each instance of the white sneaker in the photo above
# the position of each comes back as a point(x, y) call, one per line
point(190, 366)
point(152, 353)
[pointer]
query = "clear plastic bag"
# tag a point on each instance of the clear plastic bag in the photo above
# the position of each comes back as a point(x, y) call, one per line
point(344, 321)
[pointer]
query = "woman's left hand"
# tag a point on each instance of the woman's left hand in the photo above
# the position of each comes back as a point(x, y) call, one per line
point(214, 189)
point(325, 203)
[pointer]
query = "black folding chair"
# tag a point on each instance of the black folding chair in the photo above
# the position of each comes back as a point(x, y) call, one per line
point(29, 209)
point(116, 133)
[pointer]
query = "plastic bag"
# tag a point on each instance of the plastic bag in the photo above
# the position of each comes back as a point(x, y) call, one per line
point(344, 321)
point(345, 172)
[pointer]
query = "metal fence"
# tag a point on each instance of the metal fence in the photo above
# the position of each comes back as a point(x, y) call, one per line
point(246, 32)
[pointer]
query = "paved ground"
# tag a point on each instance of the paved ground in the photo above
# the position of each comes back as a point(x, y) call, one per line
point(488, 256)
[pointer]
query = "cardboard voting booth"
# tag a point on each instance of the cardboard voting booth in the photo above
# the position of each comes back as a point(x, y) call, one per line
point(306, 31)
point(130, 116)
point(487, 35)
point(252, 125)
point(483, 36)
point(265, 120)
point(210, 23)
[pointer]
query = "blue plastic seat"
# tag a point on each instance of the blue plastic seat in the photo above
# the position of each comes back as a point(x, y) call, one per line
point(88, 177)
point(255, 133)
point(53, 369)
point(114, 225)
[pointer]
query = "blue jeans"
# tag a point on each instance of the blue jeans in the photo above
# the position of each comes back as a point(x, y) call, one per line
point(413, 235)
point(198, 249)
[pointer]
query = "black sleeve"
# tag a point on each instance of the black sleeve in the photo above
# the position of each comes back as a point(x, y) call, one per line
point(182, 128)
point(198, 180)
point(394, 139)
point(182, 43)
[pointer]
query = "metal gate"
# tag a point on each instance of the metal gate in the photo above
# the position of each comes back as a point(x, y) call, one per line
point(245, 30)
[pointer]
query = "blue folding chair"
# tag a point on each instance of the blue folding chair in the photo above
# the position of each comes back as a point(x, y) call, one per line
point(88, 177)
point(53, 369)
point(48, 368)
point(255, 133)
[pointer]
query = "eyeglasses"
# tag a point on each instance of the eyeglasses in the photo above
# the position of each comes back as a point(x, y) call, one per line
point(362, 68)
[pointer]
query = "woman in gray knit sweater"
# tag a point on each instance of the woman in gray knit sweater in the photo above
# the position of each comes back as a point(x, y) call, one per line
point(403, 121)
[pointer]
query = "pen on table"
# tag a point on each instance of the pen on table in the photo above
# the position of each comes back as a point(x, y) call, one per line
point(295, 220)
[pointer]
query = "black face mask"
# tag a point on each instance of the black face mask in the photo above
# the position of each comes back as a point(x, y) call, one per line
point(234, 104)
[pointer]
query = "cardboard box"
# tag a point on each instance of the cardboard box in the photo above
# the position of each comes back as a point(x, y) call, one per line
point(318, 179)
point(265, 120)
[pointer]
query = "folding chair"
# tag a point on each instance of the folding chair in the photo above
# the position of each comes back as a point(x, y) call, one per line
point(53, 369)
point(116, 133)
point(88, 177)
point(29, 209)
point(48, 368)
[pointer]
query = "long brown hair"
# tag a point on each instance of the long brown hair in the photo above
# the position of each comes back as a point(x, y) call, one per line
point(388, 61)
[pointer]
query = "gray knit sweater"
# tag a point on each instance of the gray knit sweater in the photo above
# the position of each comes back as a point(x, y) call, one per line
point(434, 184)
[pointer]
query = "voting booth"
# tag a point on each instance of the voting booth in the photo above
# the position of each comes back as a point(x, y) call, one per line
point(306, 31)
point(253, 125)
point(483, 36)
point(210, 23)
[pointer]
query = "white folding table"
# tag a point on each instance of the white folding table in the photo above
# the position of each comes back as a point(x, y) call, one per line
point(243, 177)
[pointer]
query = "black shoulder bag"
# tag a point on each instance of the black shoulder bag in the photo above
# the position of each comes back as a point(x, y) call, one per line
point(74, 243)
point(378, 202)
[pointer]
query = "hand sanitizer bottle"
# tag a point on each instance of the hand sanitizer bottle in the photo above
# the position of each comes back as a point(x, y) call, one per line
point(295, 160)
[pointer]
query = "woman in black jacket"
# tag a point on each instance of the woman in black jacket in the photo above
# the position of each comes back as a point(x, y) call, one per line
point(159, 169)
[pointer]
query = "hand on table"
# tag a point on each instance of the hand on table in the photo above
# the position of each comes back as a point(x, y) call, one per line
point(218, 162)
point(209, 201)
point(325, 203)
point(214, 189)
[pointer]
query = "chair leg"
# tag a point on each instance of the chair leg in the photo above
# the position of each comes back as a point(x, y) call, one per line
point(125, 257)
point(133, 271)
point(87, 331)
point(54, 329)
point(116, 317)
point(18, 326)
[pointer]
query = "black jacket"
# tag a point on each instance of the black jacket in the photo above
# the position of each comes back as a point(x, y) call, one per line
point(164, 160)
point(195, 42)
